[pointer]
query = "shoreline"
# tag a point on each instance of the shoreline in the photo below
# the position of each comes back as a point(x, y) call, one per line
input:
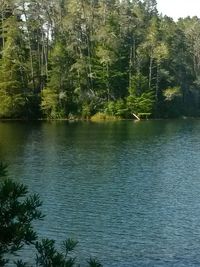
point(90, 120)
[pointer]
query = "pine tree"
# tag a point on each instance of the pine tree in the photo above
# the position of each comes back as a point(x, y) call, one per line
point(12, 72)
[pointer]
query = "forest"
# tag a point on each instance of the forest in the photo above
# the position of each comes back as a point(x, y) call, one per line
point(77, 59)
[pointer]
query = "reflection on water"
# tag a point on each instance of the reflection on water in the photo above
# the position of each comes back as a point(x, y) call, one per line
point(129, 192)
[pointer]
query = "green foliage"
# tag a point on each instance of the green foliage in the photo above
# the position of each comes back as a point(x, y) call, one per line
point(139, 84)
point(50, 103)
point(103, 117)
point(20, 263)
point(86, 111)
point(12, 80)
point(18, 210)
point(140, 99)
point(55, 95)
point(3, 170)
point(11, 106)
point(84, 57)
point(116, 108)
point(69, 245)
point(94, 263)
point(141, 104)
point(47, 254)
point(172, 93)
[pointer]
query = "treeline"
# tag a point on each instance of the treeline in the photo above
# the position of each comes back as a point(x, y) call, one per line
point(76, 58)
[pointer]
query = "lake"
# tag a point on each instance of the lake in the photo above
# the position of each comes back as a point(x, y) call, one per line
point(128, 192)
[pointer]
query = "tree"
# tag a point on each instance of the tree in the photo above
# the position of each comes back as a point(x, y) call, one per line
point(12, 72)
point(18, 210)
point(72, 57)
point(140, 99)
point(56, 94)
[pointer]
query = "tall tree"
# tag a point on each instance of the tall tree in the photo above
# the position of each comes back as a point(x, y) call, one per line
point(12, 71)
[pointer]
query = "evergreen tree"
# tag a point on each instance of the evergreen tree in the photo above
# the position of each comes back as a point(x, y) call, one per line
point(71, 58)
point(18, 210)
point(12, 72)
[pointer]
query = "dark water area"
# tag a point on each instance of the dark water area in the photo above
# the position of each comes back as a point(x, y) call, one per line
point(129, 192)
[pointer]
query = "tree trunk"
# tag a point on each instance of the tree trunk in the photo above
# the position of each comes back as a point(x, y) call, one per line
point(150, 71)
point(30, 50)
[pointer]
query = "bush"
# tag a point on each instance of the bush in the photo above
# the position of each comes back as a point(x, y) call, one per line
point(103, 117)
point(117, 108)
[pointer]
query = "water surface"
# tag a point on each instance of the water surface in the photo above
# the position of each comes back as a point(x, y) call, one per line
point(129, 192)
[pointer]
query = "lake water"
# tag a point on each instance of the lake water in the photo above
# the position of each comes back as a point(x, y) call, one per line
point(129, 192)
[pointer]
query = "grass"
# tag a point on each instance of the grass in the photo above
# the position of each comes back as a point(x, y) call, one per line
point(104, 117)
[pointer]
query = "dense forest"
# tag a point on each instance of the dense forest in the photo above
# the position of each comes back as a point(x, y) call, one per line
point(77, 58)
